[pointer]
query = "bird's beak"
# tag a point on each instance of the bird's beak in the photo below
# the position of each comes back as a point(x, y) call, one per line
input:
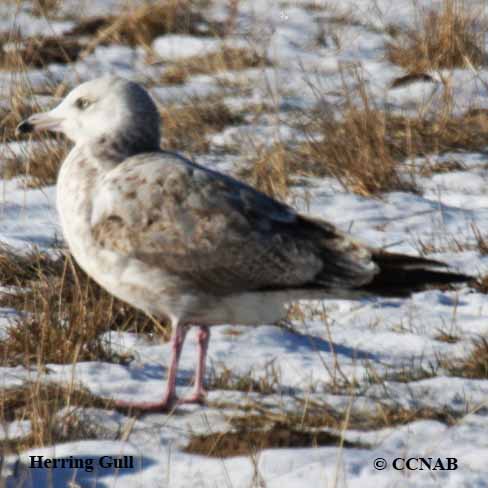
point(42, 121)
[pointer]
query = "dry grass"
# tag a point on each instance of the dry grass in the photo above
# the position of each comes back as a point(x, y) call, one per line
point(187, 126)
point(474, 366)
point(138, 25)
point(38, 52)
point(20, 102)
point(452, 243)
point(40, 403)
point(407, 373)
point(364, 148)
point(481, 240)
point(393, 415)
point(247, 442)
point(39, 166)
point(64, 313)
point(9, 120)
point(453, 37)
point(22, 269)
point(482, 285)
point(270, 429)
point(141, 24)
point(39, 161)
point(444, 336)
point(267, 383)
point(19, 109)
point(429, 169)
point(226, 59)
point(63, 318)
point(46, 8)
point(269, 171)
point(358, 151)
point(425, 248)
point(317, 415)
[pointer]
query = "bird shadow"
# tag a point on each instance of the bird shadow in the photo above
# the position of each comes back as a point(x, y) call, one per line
point(290, 340)
point(87, 471)
point(158, 372)
point(451, 301)
point(295, 341)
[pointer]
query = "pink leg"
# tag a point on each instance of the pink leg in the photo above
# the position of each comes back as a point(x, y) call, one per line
point(199, 393)
point(169, 396)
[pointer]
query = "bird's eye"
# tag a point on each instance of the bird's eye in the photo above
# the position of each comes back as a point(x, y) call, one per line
point(82, 103)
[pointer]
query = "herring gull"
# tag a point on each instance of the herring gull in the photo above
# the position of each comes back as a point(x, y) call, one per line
point(189, 244)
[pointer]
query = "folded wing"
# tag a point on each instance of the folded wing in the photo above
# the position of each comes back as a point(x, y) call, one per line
point(217, 233)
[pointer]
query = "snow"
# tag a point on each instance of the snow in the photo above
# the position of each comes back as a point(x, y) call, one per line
point(28, 216)
point(337, 340)
point(13, 20)
point(200, 87)
point(174, 47)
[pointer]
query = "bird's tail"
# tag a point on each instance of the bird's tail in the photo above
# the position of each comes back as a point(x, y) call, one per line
point(400, 275)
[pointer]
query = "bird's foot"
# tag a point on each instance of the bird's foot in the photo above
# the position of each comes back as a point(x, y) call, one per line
point(198, 396)
point(165, 405)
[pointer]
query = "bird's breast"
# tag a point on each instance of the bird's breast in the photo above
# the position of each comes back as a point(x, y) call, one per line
point(77, 186)
point(119, 273)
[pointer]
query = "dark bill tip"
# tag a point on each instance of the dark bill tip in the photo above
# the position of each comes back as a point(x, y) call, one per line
point(24, 127)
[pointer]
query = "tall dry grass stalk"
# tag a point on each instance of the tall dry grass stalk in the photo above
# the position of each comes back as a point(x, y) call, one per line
point(64, 313)
point(52, 413)
point(269, 171)
point(188, 126)
point(366, 146)
point(451, 37)
point(474, 365)
point(226, 59)
point(140, 23)
point(63, 318)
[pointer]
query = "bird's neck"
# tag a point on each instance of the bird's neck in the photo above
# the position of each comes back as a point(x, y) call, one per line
point(112, 149)
point(77, 182)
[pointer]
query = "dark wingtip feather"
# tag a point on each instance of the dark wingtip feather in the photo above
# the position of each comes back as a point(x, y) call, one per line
point(402, 275)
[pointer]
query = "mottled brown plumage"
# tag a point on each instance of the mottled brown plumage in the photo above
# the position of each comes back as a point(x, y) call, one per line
point(217, 234)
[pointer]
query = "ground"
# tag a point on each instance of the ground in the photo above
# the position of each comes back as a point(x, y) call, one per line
point(370, 115)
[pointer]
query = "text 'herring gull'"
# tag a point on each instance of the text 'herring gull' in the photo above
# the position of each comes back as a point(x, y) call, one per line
point(185, 243)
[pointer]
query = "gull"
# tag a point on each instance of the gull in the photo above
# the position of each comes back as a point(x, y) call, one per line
point(193, 246)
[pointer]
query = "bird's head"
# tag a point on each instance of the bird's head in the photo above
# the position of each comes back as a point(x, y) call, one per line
point(101, 111)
